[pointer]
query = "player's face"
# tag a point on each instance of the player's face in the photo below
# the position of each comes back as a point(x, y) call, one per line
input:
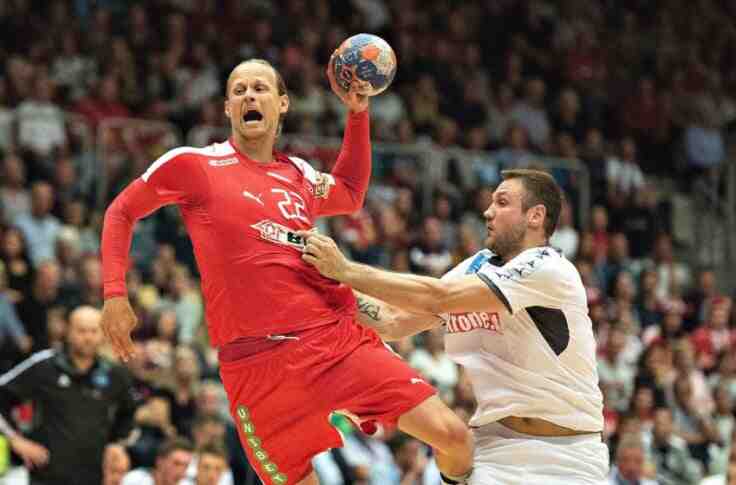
point(210, 468)
point(506, 221)
point(253, 103)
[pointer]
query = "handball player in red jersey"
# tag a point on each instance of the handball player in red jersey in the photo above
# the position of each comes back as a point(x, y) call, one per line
point(290, 344)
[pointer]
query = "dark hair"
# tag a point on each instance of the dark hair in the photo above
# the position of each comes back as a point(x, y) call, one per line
point(280, 83)
point(540, 188)
point(174, 444)
point(216, 448)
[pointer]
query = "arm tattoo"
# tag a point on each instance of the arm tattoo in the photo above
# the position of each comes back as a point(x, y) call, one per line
point(372, 310)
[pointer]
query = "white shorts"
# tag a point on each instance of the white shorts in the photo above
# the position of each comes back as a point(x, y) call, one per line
point(505, 457)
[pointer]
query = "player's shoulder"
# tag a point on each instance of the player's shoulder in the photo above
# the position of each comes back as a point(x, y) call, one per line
point(543, 260)
point(320, 183)
point(306, 169)
point(216, 155)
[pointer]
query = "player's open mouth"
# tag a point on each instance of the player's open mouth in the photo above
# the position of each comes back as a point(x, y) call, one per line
point(252, 116)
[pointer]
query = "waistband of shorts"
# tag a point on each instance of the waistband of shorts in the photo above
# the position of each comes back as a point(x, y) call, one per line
point(244, 347)
point(498, 430)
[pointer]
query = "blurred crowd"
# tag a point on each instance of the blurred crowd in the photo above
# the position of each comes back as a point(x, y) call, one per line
point(632, 91)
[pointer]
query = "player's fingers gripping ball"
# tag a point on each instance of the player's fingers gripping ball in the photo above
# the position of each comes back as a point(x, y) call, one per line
point(366, 63)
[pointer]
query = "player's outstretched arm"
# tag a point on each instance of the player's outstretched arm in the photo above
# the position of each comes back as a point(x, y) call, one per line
point(391, 322)
point(118, 319)
point(417, 293)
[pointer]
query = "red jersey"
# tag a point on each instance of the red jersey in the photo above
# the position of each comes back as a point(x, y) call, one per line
point(242, 217)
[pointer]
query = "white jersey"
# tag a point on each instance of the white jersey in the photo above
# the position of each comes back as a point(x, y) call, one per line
point(544, 364)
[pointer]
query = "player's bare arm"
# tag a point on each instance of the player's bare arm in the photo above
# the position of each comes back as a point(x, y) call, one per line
point(390, 322)
point(417, 293)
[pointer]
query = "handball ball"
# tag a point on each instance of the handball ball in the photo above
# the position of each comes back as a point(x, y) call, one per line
point(367, 61)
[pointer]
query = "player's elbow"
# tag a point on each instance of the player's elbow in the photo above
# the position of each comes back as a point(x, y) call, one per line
point(357, 199)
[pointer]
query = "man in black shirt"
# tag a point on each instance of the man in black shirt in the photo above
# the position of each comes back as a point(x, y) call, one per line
point(81, 402)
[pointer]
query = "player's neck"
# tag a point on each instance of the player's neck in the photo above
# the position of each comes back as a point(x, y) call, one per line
point(526, 244)
point(257, 150)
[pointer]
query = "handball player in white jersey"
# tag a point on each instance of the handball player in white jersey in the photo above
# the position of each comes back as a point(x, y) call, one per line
point(516, 318)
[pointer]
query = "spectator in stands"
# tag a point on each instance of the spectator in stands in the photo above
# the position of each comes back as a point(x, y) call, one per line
point(208, 432)
point(529, 112)
point(692, 422)
point(42, 130)
point(183, 387)
point(172, 460)
point(429, 255)
point(40, 228)
point(15, 198)
point(115, 464)
point(500, 113)
point(568, 118)
point(615, 374)
point(515, 152)
point(43, 296)
point(674, 464)
point(673, 275)
point(104, 103)
point(212, 465)
point(566, 237)
point(714, 337)
point(623, 174)
point(13, 337)
point(704, 144)
point(629, 466)
point(14, 253)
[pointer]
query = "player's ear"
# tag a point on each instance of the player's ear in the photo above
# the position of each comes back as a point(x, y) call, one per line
point(537, 215)
point(283, 103)
point(227, 108)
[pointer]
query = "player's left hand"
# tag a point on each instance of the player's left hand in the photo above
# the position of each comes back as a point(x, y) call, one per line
point(322, 252)
point(352, 99)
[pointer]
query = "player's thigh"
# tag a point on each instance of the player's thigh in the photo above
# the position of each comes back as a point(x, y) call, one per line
point(280, 426)
point(369, 380)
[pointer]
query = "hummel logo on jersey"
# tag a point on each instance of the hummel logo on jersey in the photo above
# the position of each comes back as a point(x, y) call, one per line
point(221, 163)
point(278, 234)
point(257, 198)
point(416, 380)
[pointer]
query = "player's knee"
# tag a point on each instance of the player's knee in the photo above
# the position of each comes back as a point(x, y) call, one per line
point(456, 437)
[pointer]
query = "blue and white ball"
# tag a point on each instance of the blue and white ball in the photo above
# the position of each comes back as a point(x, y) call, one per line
point(365, 61)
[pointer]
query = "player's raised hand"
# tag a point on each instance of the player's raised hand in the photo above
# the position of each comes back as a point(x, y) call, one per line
point(322, 252)
point(355, 101)
point(118, 320)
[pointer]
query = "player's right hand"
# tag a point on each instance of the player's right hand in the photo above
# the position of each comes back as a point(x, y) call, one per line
point(353, 99)
point(118, 320)
point(34, 455)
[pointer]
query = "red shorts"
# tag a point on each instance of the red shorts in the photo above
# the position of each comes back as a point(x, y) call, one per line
point(282, 398)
